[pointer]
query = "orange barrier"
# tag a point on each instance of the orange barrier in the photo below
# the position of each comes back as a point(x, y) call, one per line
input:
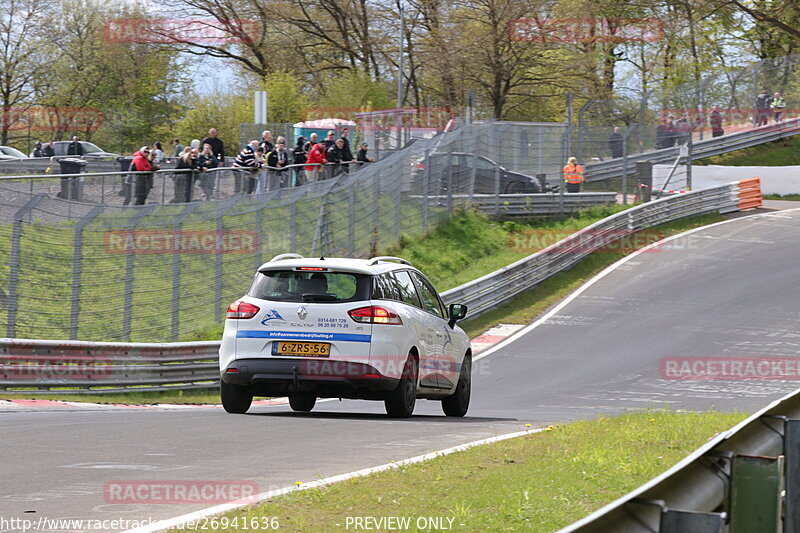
point(749, 193)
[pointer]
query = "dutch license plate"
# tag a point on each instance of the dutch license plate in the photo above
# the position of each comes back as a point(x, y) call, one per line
point(301, 349)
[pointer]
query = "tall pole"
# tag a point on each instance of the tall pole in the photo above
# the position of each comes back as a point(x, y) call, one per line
point(400, 61)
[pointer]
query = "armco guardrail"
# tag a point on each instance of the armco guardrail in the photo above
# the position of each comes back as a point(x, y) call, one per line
point(613, 168)
point(105, 367)
point(541, 205)
point(743, 480)
point(90, 366)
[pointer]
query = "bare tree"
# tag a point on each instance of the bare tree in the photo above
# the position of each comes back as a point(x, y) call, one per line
point(21, 59)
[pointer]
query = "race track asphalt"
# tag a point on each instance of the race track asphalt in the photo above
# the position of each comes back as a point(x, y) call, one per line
point(725, 291)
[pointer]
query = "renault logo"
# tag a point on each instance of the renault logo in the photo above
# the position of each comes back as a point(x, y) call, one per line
point(302, 312)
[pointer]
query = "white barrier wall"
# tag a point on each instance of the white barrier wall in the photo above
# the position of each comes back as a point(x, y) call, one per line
point(774, 180)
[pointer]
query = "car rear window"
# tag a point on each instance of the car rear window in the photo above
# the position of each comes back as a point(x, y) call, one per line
point(321, 287)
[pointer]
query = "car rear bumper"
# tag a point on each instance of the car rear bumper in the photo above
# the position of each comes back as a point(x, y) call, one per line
point(322, 377)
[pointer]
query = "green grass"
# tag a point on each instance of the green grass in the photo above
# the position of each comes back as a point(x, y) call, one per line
point(783, 152)
point(787, 197)
point(188, 397)
point(539, 482)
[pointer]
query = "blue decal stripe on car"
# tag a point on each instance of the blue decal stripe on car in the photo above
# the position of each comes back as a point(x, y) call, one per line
point(301, 336)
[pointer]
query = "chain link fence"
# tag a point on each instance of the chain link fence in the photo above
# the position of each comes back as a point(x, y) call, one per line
point(93, 269)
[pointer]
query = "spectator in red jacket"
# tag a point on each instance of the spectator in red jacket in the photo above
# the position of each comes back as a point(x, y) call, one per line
point(315, 155)
point(142, 162)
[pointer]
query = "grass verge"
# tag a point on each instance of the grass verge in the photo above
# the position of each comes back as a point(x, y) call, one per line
point(789, 197)
point(539, 482)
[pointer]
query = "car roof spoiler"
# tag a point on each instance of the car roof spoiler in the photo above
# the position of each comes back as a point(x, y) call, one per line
point(376, 260)
point(281, 257)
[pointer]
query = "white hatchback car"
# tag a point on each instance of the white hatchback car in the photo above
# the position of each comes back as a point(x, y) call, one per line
point(344, 328)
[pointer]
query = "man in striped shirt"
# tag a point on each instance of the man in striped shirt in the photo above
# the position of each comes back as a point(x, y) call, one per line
point(249, 160)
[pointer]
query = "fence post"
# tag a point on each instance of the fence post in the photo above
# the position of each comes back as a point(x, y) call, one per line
point(77, 259)
point(176, 267)
point(449, 181)
point(791, 447)
point(16, 251)
point(398, 202)
point(292, 227)
point(426, 185)
point(127, 307)
point(351, 220)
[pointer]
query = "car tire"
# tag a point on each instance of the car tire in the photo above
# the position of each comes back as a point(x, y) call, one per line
point(302, 403)
point(515, 187)
point(457, 404)
point(400, 402)
point(235, 398)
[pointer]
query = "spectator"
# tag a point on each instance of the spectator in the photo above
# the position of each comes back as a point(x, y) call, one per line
point(37, 150)
point(336, 156)
point(266, 141)
point(362, 154)
point(249, 162)
point(573, 175)
point(763, 103)
point(615, 143)
point(278, 159)
point(330, 140)
point(312, 140)
point(75, 147)
point(158, 153)
point(298, 158)
point(217, 146)
point(178, 147)
point(778, 106)
point(143, 183)
point(184, 181)
point(195, 144)
point(346, 137)
point(315, 158)
point(205, 162)
point(715, 120)
point(49, 151)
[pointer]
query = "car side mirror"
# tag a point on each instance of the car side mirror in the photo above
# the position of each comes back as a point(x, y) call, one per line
point(457, 312)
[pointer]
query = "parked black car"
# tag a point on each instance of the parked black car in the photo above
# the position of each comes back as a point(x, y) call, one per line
point(457, 168)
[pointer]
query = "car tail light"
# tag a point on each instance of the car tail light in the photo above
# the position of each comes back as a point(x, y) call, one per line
point(375, 315)
point(242, 310)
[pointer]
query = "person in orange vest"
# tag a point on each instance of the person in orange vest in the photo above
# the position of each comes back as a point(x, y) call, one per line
point(573, 175)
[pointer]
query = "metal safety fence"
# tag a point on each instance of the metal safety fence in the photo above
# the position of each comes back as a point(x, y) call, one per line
point(91, 268)
point(45, 365)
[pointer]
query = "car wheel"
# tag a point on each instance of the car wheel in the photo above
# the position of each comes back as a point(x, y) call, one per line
point(515, 187)
point(235, 398)
point(302, 403)
point(457, 404)
point(400, 402)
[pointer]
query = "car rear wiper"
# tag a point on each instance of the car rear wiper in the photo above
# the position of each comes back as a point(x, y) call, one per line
point(311, 297)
